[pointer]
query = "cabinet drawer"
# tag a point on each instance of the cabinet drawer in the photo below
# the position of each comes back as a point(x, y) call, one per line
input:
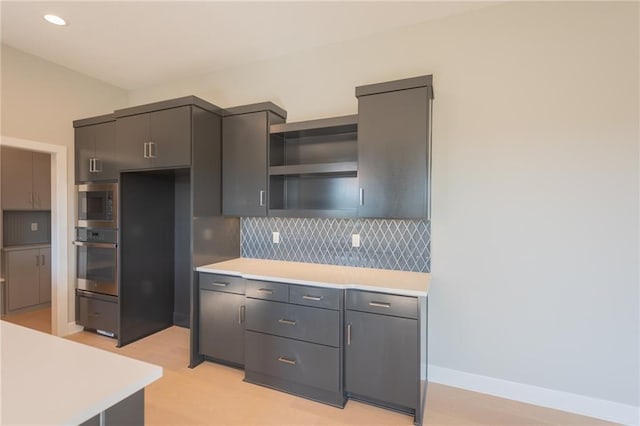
point(97, 314)
point(313, 325)
point(321, 297)
point(382, 303)
point(218, 282)
point(268, 290)
point(299, 362)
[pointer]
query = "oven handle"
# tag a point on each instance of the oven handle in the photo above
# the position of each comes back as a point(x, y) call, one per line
point(97, 245)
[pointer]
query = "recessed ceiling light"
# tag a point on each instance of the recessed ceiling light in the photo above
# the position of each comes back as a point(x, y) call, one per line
point(55, 19)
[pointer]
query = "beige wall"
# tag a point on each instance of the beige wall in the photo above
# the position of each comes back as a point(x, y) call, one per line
point(39, 102)
point(535, 185)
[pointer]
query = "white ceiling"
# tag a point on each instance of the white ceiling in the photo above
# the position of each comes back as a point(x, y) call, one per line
point(144, 43)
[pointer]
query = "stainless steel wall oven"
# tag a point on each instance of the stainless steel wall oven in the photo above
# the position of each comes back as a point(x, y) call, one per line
point(97, 260)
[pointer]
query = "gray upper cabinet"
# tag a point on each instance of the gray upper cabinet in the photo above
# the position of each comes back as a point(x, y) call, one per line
point(245, 142)
point(26, 180)
point(154, 140)
point(95, 150)
point(394, 148)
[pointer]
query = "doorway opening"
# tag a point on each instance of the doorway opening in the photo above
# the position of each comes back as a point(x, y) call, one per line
point(62, 259)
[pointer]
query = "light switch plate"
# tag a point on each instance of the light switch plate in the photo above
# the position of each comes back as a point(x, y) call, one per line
point(355, 240)
point(276, 237)
point(34, 226)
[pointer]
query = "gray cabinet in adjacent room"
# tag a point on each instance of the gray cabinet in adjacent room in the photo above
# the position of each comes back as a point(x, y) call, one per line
point(154, 140)
point(394, 148)
point(28, 277)
point(95, 149)
point(26, 180)
point(245, 144)
point(222, 305)
point(384, 349)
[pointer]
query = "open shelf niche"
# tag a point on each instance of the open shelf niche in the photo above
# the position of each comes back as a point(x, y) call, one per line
point(313, 168)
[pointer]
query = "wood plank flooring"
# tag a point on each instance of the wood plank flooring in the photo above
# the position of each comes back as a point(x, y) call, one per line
point(212, 394)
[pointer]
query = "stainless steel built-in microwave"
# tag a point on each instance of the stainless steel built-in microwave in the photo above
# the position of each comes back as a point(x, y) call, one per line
point(98, 205)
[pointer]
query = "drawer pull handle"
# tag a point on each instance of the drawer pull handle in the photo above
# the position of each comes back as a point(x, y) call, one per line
point(349, 334)
point(286, 321)
point(316, 298)
point(94, 315)
point(219, 284)
point(380, 304)
point(287, 360)
point(265, 290)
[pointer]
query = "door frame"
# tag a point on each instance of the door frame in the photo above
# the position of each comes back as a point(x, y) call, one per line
point(60, 236)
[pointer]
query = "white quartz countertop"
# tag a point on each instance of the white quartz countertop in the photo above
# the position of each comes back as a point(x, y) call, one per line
point(381, 280)
point(50, 380)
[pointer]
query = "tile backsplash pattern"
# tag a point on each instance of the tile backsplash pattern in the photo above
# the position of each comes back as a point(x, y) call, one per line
point(384, 243)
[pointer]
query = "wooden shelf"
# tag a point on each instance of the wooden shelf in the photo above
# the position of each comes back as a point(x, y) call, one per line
point(317, 168)
point(325, 126)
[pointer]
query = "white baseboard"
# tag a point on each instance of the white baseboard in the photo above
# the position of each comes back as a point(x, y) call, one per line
point(565, 401)
point(72, 327)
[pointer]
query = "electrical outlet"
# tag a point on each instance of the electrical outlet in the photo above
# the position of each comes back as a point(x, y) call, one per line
point(355, 240)
point(34, 226)
point(276, 237)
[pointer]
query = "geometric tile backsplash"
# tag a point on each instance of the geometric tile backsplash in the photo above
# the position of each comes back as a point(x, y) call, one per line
point(384, 243)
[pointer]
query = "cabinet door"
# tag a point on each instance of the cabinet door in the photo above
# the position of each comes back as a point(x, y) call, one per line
point(41, 181)
point(23, 278)
point(171, 137)
point(17, 179)
point(132, 133)
point(382, 358)
point(85, 150)
point(45, 275)
point(392, 154)
point(244, 164)
point(222, 326)
point(105, 152)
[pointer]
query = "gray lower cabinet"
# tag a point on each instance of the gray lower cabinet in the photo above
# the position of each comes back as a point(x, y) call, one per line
point(294, 347)
point(128, 412)
point(28, 277)
point(384, 350)
point(97, 311)
point(222, 304)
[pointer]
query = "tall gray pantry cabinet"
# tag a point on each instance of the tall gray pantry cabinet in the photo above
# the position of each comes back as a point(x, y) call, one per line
point(167, 161)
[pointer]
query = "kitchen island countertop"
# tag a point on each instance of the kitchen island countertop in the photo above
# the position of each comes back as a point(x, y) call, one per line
point(381, 280)
point(50, 380)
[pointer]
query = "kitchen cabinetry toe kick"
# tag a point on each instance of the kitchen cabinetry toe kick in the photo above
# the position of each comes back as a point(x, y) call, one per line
point(336, 399)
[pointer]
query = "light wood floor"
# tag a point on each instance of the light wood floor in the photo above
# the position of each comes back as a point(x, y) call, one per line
point(212, 394)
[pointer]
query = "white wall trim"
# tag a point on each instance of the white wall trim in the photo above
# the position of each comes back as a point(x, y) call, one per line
point(59, 229)
point(565, 401)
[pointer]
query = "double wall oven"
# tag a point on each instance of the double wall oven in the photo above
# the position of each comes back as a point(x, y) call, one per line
point(97, 247)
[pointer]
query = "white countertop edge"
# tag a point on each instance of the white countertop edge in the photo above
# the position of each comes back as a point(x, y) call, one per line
point(115, 398)
point(219, 271)
point(378, 289)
